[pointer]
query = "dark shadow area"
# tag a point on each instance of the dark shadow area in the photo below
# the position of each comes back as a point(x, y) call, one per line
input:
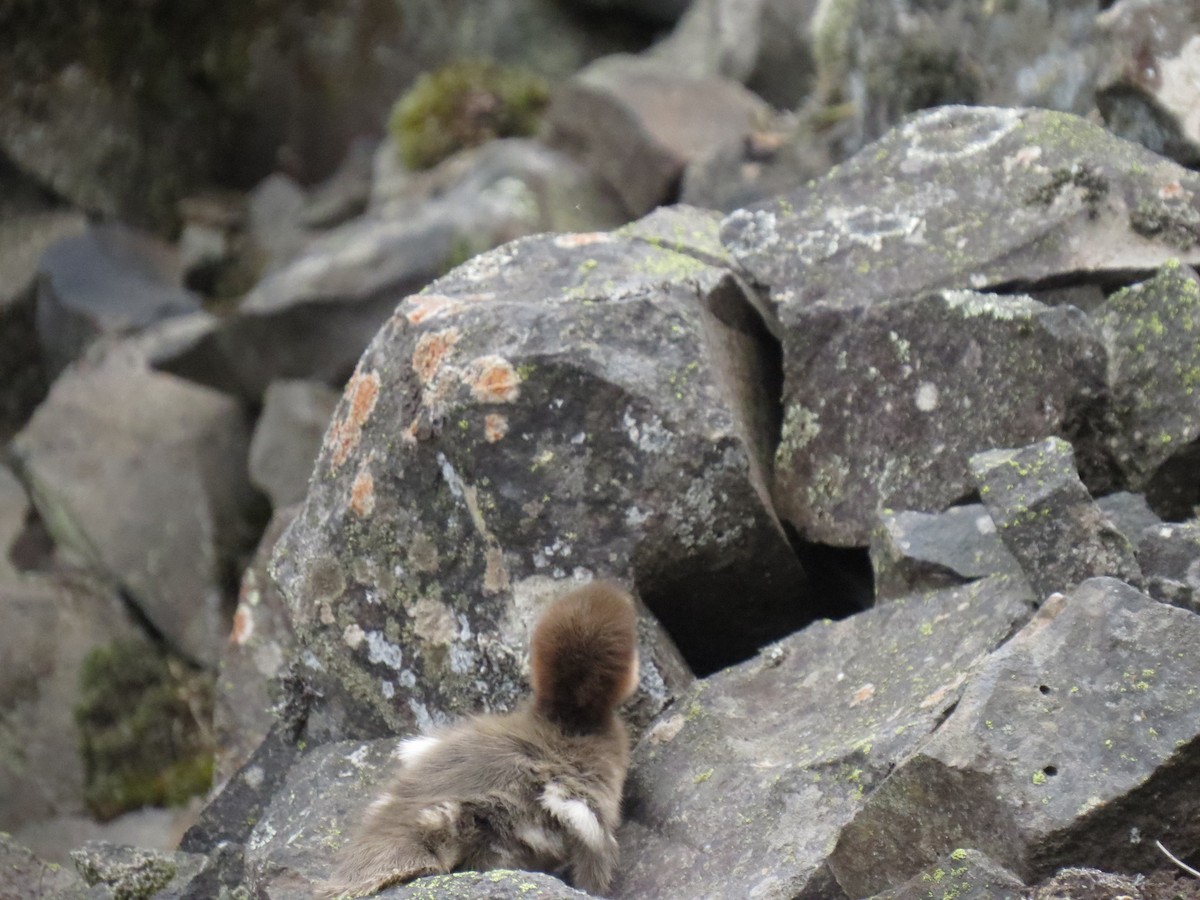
point(841, 581)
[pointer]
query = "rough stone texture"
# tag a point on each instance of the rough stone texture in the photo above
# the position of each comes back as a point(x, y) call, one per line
point(913, 551)
point(1169, 555)
point(312, 318)
point(1148, 89)
point(108, 280)
point(134, 873)
point(144, 475)
point(260, 644)
point(1130, 514)
point(287, 438)
point(50, 626)
point(638, 122)
point(294, 844)
point(500, 884)
point(1152, 333)
point(25, 877)
point(14, 508)
point(956, 198)
point(736, 794)
point(487, 455)
point(1047, 519)
point(1067, 748)
point(960, 875)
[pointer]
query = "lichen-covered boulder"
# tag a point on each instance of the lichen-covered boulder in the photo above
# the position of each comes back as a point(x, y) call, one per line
point(557, 409)
point(134, 873)
point(742, 789)
point(1068, 747)
point(1047, 519)
point(1153, 430)
point(144, 476)
point(880, 412)
point(914, 551)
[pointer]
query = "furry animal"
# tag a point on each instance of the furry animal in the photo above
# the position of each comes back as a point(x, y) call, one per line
point(536, 789)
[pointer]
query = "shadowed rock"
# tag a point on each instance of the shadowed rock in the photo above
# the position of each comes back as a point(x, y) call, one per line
point(1169, 555)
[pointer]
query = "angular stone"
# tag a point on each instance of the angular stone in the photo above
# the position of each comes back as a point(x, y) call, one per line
point(960, 875)
point(287, 438)
point(25, 877)
point(734, 793)
point(885, 404)
point(1169, 556)
point(1072, 739)
point(135, 872)
point(1047, 519)
point(913, 551)
point(1151, 332)
point(488, 454)
point(260, 644)
point(143, 474)
point(1130, 513)
point(51, 624)
point(638, 122)
point(108, 280)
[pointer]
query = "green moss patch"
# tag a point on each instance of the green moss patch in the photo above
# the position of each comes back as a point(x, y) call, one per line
point(144, 721)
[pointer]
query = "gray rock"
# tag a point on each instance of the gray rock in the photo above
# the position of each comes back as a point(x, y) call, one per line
point(143, 475)
point(499, 884)
point(1169, 555)
point(1067, 748)
point(914, 551)
point(1147, 89)
point(1154, 417)
point(1129, 513)
point(313, 318)
point(260, 645)
point(1047, 519)
point(25, 877)
point(734, 793)
point(960, 875)
point(108, 280)
point(275, 221)
point(956, 198)
point(135, 873)
point(346, 193)
point(293, 845)
point(51, 624)
point(14, 508)
point(487, 454)
point(638, 122)
point(151, 827)
point(287, 437)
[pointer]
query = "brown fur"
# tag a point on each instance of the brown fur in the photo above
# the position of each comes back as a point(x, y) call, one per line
point(537, 789)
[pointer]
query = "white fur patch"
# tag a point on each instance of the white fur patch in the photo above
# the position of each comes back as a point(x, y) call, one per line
point(574, 814)
point(416, 748)
point(380, 804)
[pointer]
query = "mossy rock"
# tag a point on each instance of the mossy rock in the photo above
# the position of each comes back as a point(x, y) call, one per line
point(144, 719)
point(463, 105)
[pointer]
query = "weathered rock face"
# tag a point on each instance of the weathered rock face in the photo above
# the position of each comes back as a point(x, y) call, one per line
point(50, 626)
point(1154, 375)
point(1047, 520)
point(638, 122)
point(955, 199)
point(736, 794)
point(287, 437)
point(108, 280)
point(143, 475)
point(545, 412)
point(1074, 735)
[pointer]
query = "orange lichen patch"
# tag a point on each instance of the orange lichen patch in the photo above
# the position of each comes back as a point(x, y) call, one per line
point(431, 352)
point(495, 426)
point(360, 397)
point(492, 379)
point(863, 694)
point(243, 626)
point(1172, 191)
point(362, 492)
point(422, 307)
point(583, 239)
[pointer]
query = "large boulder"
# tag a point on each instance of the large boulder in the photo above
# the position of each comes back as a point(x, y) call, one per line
point(895, 369)
point(144, 476)
point(743, 788)
point(559, 408)
point(1068, 746)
